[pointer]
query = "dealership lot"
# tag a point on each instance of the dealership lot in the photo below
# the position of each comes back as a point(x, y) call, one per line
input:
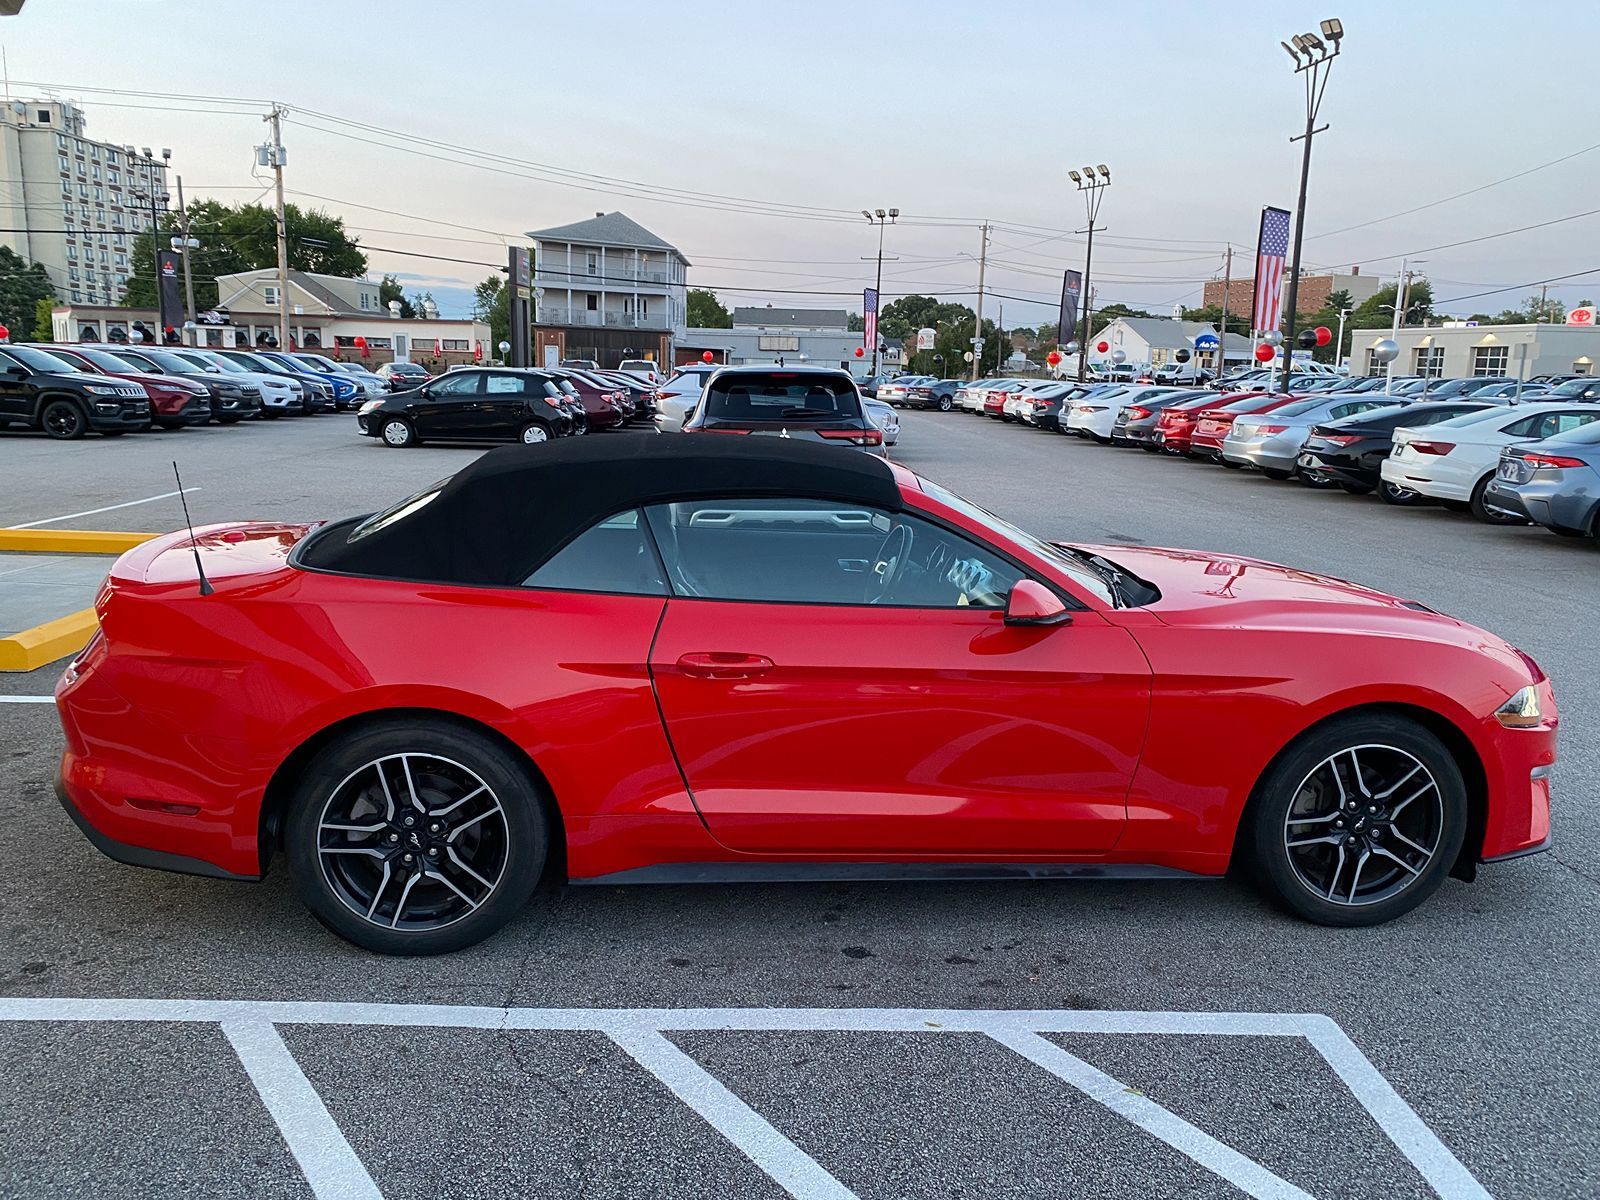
point(1477, 1009)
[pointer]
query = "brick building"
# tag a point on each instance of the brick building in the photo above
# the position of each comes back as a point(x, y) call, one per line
point(1314, 292)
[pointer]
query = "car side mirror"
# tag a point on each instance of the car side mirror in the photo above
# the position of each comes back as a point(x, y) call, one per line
point(16, 372)
point(1031, 603)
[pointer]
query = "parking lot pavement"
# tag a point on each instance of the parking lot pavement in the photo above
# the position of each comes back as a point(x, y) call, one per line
point(1478, 1009)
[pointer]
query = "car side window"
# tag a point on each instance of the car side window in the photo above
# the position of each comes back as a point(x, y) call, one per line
point(464, 384)
point(613, 555)
point(503, 385)
point(1527, 427)
point(805, 551)
point(1555, 423)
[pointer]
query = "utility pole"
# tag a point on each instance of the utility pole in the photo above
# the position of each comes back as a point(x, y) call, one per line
point(1222, 334)
point(188, 274)
point(275, 157)
point(999, 338)
point(1402, 285)
point(977, 327)
point(1092, 183)
point(881, 219)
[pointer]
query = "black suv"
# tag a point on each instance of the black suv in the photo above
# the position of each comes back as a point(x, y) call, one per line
point(41, 391)
point(479, 405)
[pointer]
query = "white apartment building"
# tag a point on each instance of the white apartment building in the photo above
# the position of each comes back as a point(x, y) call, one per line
point(74, 204)
point(607, 289)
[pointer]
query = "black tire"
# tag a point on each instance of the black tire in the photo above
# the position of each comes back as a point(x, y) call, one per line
point(1384, 738)
point(520, 842)
point(1392, 493)
point(1274, 473)
point(63, 420)
point(945, 403)
point(1317, 485)
point(1486, 514)
point(398, 432)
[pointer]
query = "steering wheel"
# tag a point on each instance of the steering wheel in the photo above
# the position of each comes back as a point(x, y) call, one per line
point(890, 563)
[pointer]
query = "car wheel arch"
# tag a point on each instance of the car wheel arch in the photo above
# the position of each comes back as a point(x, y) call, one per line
point(281, 787)
point(1455, 740)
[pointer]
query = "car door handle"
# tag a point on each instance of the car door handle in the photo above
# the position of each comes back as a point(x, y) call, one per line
point(722, 664)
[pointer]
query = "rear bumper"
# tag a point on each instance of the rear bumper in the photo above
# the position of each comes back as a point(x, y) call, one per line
point(1268, 454)
point(1400, 474)
point(140, 856)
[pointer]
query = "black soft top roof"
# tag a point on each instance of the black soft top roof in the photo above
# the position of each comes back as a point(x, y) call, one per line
point(494, 521)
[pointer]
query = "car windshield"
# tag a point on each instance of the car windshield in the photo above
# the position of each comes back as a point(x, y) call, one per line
point(1573, 387)
point(106, 362)
point(1058, 558)
point(224, 364)
point(251, 363)
point(316, 360)
point(168, 361)
point(39, 360)
point(288, 364)
point(781, 396)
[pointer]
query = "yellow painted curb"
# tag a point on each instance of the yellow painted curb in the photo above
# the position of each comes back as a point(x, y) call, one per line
point(70, 541)
point(33, 648)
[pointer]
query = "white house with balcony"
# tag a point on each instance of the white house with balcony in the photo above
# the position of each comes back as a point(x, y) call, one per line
point(607, 289)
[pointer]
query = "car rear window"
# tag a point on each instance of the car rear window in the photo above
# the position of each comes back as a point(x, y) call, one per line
point(781, 396)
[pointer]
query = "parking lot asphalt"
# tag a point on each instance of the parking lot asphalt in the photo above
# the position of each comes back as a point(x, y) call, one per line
point(1478, 1010)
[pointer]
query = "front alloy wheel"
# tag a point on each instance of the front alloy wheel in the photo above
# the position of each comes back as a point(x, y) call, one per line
point(397, 432)
point(1360, 821)
point(63, 420)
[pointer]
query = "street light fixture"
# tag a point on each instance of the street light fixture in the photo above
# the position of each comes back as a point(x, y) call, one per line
point(880, 218)
point(1314, 58)
point(1093, 187)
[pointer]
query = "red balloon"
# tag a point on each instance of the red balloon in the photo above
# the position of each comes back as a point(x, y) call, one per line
point(1324, 335)
point(1103, 347)
point(1265, 353)
point(1053, 358)
point(859, 351)
point(4, 332)
point(708, 356)
point(361, 343)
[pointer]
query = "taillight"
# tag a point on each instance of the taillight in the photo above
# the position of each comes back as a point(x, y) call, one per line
point(1271, 428)
point(1137, 414)
point(1433, 447)
point(856, 437)
point(1340, 439)
point(1551, 462)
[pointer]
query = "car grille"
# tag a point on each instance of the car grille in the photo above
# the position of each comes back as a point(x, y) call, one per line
point(133, 392)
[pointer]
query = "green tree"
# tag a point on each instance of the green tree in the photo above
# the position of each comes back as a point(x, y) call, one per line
point(243, 238)
point(44, 329)
point(1377, 310)
point(491, 302)
point(22, 286)
point(856, 323)
point(705, 311)
point(390, 289)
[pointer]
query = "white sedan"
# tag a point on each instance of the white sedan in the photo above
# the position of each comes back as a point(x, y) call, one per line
point(885, 418)
point(1454, 460)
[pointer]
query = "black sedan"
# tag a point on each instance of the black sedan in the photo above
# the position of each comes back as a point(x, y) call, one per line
point(480, 405)
point(931, 393)
point(403, 376)
point(1350, 452)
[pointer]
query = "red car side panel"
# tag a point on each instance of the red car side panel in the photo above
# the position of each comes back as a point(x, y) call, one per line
point(265, 664)
point(898, 731)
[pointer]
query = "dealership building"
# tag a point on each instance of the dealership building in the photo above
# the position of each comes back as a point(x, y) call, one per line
point(1460, 350)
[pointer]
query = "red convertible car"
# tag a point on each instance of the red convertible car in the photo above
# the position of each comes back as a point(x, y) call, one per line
point(696, 659)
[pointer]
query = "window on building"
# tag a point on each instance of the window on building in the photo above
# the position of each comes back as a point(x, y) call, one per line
point(66, 164)
point(94, 172)
point(112, 158)
point(364, 300)
point(594, 265)
point(116, 179)
point(72, 274)
point(44, 116)
point(1374, 367)
point(61, 141)
point(1490, 360)
point(100, 194)
point(72, 254)
point(455, 344)
point(1429, 362)
point(105, 256)
point(77, 297)
point(122, 262)
point(269, 295)
point(593, 303)
point(83, 168)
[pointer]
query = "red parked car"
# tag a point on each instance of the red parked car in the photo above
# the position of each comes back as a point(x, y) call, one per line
point(602, 405)
point(757, 658)
point(1212, 424)
point(1175, 425)
point(174, 401)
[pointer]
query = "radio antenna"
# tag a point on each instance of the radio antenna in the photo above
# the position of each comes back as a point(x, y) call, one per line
point(205, 584)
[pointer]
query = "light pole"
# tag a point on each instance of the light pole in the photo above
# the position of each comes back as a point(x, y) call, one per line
point(1093, 188)
point(1402, 289)
point(1313, 58)
point(880, 218)
point(1338, 346)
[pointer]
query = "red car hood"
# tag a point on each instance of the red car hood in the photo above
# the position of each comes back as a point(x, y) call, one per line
point(1201, 588)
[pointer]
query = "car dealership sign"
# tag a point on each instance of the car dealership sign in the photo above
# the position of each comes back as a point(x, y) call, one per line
point(1582, 316)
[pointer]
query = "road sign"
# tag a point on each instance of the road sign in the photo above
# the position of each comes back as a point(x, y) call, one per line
point(925, 338)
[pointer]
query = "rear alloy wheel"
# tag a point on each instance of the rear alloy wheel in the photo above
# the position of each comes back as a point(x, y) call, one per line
point(1360, 821)
point(63, 420)
point(1484, 513)
point(397, 432)
point(417, 837)
point(1395, 494)
point(944, 404)
point(534, 434)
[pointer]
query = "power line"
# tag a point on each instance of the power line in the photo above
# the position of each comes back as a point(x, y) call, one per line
point(1488, 237)
point(1517, 287)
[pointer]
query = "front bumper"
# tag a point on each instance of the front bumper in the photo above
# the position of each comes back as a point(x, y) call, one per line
point(117, 414)
point(233, 405)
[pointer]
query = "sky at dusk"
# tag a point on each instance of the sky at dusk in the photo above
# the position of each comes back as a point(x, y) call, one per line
point(750, 135)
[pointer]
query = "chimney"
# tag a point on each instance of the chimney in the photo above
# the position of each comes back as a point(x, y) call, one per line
point(1355, 270)
point(599, 214)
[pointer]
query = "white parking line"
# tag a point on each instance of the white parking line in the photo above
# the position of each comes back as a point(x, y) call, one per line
point(333, 1170)
point(89, 512)
point(27, 699)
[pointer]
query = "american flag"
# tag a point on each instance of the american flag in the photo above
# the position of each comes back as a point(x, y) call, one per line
point(869, 310)
point(1270, 253)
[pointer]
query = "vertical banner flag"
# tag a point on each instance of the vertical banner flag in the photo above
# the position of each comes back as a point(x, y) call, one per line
point(1270, 253)
point(869, 310)
point(167, 290)
point(1071, 290)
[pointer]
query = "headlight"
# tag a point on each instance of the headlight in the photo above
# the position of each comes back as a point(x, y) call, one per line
point(370, 405)
point(100, 389)
point(1521, 711)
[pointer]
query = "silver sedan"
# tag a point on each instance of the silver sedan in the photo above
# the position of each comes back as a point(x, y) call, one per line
point(1271, 441)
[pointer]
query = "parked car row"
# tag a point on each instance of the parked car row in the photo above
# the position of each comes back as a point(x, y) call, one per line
point(491, 404)
point(71, 390)
point(1471, 445)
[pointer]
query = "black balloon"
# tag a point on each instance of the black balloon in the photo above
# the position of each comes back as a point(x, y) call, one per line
point(1182, 356)
point(1307, 339)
